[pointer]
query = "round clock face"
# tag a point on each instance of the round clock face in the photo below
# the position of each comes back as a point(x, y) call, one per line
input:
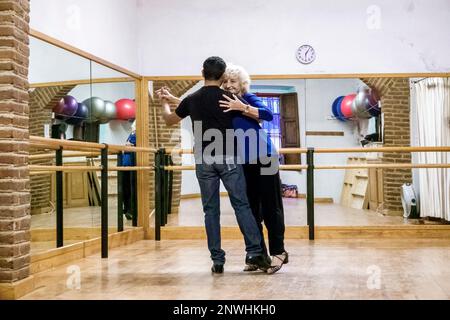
point(306, 54)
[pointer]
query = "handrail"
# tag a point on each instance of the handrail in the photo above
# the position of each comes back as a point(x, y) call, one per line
point(64, 168)
point(44, 156)
point(338, 150)
point(41, 173)
point(179, 151)
point(385, 166)
point(114, 168)
point(179, 168)
point(330, 167)
point(40, 168)
point(383, 149)
point(114, 147)
point(49, 143)
point(66, 143)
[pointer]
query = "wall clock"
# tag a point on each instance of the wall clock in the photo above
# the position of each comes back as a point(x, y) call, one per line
point(305, 54)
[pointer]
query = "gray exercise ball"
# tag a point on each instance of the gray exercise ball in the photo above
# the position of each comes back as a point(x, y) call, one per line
point(110, 112)
point(360, 103)
point(96, 107)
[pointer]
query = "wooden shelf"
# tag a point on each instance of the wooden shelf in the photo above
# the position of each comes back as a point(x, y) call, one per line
point(356, 181)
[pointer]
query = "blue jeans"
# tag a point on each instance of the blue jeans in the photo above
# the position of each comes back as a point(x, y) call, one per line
point(232, 176)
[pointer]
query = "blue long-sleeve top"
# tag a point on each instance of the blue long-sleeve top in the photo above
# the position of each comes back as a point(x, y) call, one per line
point(128, 158)
point(247, 124)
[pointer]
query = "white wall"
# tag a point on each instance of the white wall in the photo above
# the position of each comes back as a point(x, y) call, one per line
point(173, 37)
point(314, 100)
point(105, 28)
point(409, 36)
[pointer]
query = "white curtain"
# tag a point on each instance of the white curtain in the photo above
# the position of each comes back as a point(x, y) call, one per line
point(433, 123)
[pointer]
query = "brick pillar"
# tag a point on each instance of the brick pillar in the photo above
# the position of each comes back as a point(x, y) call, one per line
point(14, 176)
point(395, 102)
point(168, 137)
point(396, 110)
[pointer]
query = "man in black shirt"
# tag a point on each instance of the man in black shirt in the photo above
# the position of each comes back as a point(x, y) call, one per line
point(215, 162)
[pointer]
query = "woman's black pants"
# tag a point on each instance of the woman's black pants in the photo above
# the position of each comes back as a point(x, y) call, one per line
point(265, 198)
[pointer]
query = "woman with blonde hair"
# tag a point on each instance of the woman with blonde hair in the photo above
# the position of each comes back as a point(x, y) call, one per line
point(263, 187)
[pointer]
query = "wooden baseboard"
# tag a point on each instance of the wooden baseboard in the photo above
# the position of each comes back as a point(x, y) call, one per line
point(317, 200)
point(75, 233)
point(52, 258)
point(322, 232)
point(15, 290)
point(225, 194)
point(41, 210)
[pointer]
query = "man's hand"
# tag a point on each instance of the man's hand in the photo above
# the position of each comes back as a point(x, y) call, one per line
point(232, 104)
point(165, 95)
point(170, 118)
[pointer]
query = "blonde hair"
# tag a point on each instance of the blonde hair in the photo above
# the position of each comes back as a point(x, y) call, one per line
point(239, 72)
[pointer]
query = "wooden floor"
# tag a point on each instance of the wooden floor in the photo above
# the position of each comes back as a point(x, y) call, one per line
point(323, 269)
point(326, 214)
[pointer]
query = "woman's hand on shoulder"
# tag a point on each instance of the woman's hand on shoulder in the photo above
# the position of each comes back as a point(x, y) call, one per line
point(232, 104)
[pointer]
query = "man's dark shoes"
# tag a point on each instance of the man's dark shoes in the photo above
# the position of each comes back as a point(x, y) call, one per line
point(252, 267)
point(259, 261)
point(217, 268)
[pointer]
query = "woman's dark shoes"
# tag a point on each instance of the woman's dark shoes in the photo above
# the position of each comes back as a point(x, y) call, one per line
point(277, 262)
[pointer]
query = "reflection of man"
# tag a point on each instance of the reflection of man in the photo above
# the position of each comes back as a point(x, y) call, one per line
point(203, 108)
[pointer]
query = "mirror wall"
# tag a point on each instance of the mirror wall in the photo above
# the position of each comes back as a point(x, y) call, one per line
point(321, 113)
point(74, 98)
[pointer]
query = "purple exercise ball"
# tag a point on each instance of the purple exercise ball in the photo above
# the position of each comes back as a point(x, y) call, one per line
point(66, 107)
point(79, 116)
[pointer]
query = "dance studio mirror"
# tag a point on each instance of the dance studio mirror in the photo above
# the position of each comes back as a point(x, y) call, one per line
point(76, 99)
point(338, 113)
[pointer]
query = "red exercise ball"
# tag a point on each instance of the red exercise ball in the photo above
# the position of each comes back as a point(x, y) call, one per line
point(126, 109)
point(346, 106)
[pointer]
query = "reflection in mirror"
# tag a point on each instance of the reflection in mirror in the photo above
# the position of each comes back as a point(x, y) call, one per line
point(114, 94)
point(51, 74)
point(75, 99)
point(325, 113)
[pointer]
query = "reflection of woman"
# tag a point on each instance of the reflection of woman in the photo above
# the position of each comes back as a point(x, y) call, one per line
point(263, 187)
point(263, 190)
point(128, 160)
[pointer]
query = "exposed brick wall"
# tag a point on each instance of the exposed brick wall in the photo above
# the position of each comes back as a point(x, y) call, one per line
point(42, 101)
point(168, 137)
point(395, 93)
point(14, 176)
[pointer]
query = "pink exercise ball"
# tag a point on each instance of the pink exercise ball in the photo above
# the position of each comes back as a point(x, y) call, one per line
point(346, 105)
point(126, 109)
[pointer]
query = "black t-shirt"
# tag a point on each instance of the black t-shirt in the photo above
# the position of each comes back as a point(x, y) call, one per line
point(203, 106)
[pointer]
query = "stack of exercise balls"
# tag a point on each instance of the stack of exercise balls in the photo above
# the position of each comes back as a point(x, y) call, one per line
point(363, 104)
point(94, 110)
